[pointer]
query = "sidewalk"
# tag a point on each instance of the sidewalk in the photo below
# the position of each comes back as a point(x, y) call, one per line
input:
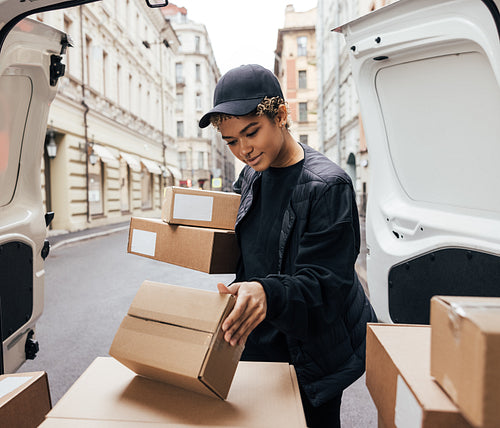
point(58, 238)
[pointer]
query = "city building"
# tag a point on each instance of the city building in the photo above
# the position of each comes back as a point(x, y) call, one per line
point(295, 67)
point(110, 144)
point(204, 159)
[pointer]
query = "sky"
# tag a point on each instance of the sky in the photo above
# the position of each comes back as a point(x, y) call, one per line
point(242, 31)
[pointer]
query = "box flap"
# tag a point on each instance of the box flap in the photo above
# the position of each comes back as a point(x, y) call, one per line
point(13, 384)
point(187, 307)
point(482, 311)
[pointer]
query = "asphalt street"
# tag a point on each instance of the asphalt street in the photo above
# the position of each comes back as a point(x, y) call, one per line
point(89, 285)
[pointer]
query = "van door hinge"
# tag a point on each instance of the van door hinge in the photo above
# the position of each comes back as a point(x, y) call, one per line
point(56, 69)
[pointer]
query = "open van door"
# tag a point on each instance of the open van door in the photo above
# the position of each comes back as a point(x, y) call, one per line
point(428, 79)
point(30, 65)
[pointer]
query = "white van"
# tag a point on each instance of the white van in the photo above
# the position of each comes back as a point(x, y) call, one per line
point(428, 80)
point(30, 65)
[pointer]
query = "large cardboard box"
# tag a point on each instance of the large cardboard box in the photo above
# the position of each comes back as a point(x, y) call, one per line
point(465, 354)
point(174, 334)
point(24, 399)
point(199, 248)
point(195, 207)
point(399, 381)
point(262, 395)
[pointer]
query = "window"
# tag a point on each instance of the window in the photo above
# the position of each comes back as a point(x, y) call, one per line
point(302, 112)
point(124, 186)
point(179, 101)
point(201, 159)
point(183, 160)
point(68, 29)
point(88, 46)
point(197, 43)
point(303, 139)
point(146, 188)
point(96, 185)
point(179, 73)
point(130, 92)
point(104, 72)
point(302, 79)
point(198, 72)
point(118, 82)
point(180, 129)
point(198, 102)
point(302, 46)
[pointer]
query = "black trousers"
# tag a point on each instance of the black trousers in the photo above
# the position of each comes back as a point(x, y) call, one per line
point(325, 416)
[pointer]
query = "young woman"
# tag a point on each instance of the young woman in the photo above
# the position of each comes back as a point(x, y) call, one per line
point(299, 299)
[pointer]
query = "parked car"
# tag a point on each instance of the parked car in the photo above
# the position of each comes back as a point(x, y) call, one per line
point(31, 63)
point(428, 78)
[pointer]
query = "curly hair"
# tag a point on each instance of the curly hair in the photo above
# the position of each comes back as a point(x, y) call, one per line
point(267, 107)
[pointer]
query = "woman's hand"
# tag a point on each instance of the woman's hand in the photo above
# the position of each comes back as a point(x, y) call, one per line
point(248, 312)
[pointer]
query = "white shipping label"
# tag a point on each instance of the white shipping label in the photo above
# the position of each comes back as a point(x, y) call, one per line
point(408, 413)
point(9, 384)
point(193, 207)
point(143, 242)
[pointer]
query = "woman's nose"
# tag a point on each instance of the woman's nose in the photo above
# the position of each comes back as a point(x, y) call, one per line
point(245, 148)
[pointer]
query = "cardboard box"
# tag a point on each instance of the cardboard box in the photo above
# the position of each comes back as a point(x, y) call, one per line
point(198, 248)
point(195, 207)
point(262, 395)
point(465, 354)
point(24, 399)
point(174, 334)
point(398, 379)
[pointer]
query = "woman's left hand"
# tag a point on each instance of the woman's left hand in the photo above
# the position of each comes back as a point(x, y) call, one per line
point(248, 312)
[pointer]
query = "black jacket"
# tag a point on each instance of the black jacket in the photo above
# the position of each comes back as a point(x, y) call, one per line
point(316, 298)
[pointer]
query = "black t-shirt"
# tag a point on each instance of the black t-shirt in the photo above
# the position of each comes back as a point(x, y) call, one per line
point(259, 240)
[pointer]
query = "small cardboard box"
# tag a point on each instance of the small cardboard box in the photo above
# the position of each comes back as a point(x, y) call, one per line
point(398, 379)
point(465, 354)
point(109, 394)
point(195, 207)
point(198, 248)
point(174, 334)
point(24, 399)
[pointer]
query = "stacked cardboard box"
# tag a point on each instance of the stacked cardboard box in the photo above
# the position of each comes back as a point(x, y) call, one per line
point(108, 394)
point(174, 334)
point(24, 399)
point(443, 375)
point(171, 333)
point(197, 231)
point(465, 355)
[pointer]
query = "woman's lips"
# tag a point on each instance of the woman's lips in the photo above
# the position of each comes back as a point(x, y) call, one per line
point(254, 160)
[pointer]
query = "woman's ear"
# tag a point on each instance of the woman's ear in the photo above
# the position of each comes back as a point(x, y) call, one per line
point(282, 116)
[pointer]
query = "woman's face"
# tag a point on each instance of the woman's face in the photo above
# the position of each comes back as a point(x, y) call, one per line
point(256, 140)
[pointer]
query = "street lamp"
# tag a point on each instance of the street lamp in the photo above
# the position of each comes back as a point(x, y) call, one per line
point(51, 145)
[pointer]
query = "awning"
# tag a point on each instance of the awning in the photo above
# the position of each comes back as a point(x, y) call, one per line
point(105, 154)
point(132, 161)
point(175, 172)
point(151, 166)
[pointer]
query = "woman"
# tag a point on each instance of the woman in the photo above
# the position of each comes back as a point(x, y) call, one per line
point(298, 296)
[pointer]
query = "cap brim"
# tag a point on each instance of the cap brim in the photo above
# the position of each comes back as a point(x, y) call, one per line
point(233, 108)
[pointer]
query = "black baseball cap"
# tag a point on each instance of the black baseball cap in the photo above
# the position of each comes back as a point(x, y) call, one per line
point(240, 91)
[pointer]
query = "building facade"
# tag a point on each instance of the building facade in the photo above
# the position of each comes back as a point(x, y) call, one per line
point(295, 67)
point(112, 121)
point(204, 159)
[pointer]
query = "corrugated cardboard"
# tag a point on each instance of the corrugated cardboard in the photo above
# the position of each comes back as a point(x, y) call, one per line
point(195, 207)
point(24, 399)
point(199, 248)
point(174, 334)
point(262, 395)
point(465, 354)
point(398, 379)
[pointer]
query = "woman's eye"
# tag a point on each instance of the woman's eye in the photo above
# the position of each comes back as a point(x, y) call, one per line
point(251, 134)
point(230, 143)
